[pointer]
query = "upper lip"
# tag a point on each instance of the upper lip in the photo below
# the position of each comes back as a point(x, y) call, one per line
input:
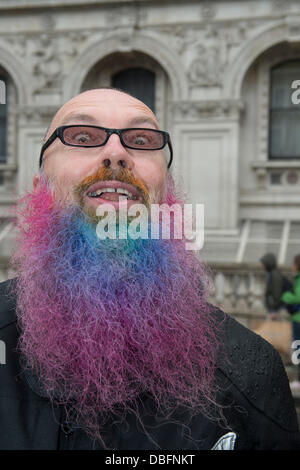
point(113, 184)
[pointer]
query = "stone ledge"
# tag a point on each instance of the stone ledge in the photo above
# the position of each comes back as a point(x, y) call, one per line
point(58, 4)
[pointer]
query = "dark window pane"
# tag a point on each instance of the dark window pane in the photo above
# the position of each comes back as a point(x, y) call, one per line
point(284, 115)
point(285, 136)
point(138, 82)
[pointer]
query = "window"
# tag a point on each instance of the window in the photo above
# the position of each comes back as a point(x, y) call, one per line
point(284, 115)
point(3, 123)
point(138, 82)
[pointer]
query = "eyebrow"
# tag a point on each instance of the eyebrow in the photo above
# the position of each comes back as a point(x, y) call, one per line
point(88, 119)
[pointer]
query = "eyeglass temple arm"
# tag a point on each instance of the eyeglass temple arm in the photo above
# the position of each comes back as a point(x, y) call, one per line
point(171, 152)
point(46, 145)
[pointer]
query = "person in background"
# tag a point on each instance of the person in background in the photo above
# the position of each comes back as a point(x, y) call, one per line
point(292, 298)
point(274, 285)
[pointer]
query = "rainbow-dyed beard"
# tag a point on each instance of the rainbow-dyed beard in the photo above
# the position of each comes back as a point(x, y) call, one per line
point(105, 321)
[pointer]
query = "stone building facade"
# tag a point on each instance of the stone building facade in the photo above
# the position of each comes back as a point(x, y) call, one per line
point(222, 74)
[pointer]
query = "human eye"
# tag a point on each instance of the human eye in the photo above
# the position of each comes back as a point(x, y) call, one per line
point(81, 136)
point(141, 138)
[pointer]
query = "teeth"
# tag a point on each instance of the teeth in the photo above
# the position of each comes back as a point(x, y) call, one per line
point(111, 190)
point(124, 191)
point(106, 190)
point(100, 191)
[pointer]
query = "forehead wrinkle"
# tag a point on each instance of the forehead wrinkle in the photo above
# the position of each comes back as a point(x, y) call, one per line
point(80, 104)
point(79, 117)
point(139, 120)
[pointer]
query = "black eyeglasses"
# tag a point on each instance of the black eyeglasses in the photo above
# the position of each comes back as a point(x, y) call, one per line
point(94, 136)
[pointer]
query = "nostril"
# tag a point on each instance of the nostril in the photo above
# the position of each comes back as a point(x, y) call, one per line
point(106, 162)
point(122, 163)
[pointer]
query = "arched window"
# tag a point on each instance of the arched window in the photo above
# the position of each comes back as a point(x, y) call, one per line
point(3, 119)
point(284, 141)
point(139, 82)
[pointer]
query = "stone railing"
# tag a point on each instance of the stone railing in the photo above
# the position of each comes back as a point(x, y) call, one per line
point(280, 174)
point(239, 289)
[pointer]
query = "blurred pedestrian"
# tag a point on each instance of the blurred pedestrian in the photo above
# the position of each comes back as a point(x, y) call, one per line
point(275, 285)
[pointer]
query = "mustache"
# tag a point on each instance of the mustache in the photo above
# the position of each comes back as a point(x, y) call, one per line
point(123, 175)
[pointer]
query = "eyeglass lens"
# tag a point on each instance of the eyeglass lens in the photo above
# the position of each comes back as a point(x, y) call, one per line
point(93, 136)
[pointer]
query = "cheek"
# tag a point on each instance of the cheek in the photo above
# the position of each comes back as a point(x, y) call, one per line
point(155, 181)
point(154, 177)
point(65, 177)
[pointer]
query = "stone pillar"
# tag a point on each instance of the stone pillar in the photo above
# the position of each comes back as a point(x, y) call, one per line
point(206, 135)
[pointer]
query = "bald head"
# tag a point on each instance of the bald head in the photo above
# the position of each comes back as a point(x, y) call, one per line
point(115, 99)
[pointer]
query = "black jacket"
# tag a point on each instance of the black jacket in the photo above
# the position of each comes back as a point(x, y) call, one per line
point(254, 392)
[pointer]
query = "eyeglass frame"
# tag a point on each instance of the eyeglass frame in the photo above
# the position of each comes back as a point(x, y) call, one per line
point(59, 133)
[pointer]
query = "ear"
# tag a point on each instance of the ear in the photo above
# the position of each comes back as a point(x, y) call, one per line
point(36, 181)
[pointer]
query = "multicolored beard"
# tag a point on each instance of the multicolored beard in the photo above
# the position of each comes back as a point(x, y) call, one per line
point(105, 321)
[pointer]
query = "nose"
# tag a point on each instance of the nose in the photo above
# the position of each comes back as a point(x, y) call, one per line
point(113, 154)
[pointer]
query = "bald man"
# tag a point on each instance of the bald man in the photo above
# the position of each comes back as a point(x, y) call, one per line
point(110, 342)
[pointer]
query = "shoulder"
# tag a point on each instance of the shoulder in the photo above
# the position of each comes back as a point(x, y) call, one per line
point(240, 346)
point(7, 303)
point(254, 369)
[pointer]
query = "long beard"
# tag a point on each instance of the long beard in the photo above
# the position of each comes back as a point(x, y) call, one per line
point(103, 322)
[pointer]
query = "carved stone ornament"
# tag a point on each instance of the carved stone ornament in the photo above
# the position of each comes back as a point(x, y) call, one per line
point(214, 46)
point(35, 115)
point(208, 10)
point(294, 31)
point(207, 109)
point(47, 56)
point(207, 69)
point(180, 37)
point(47, 68)
point(16, 44)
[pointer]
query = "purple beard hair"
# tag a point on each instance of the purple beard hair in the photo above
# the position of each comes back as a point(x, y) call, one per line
point(105, 321)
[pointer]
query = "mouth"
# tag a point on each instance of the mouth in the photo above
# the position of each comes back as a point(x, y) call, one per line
point(113, 192)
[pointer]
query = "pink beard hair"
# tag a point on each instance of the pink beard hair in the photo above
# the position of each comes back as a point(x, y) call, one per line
point(104, 322)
